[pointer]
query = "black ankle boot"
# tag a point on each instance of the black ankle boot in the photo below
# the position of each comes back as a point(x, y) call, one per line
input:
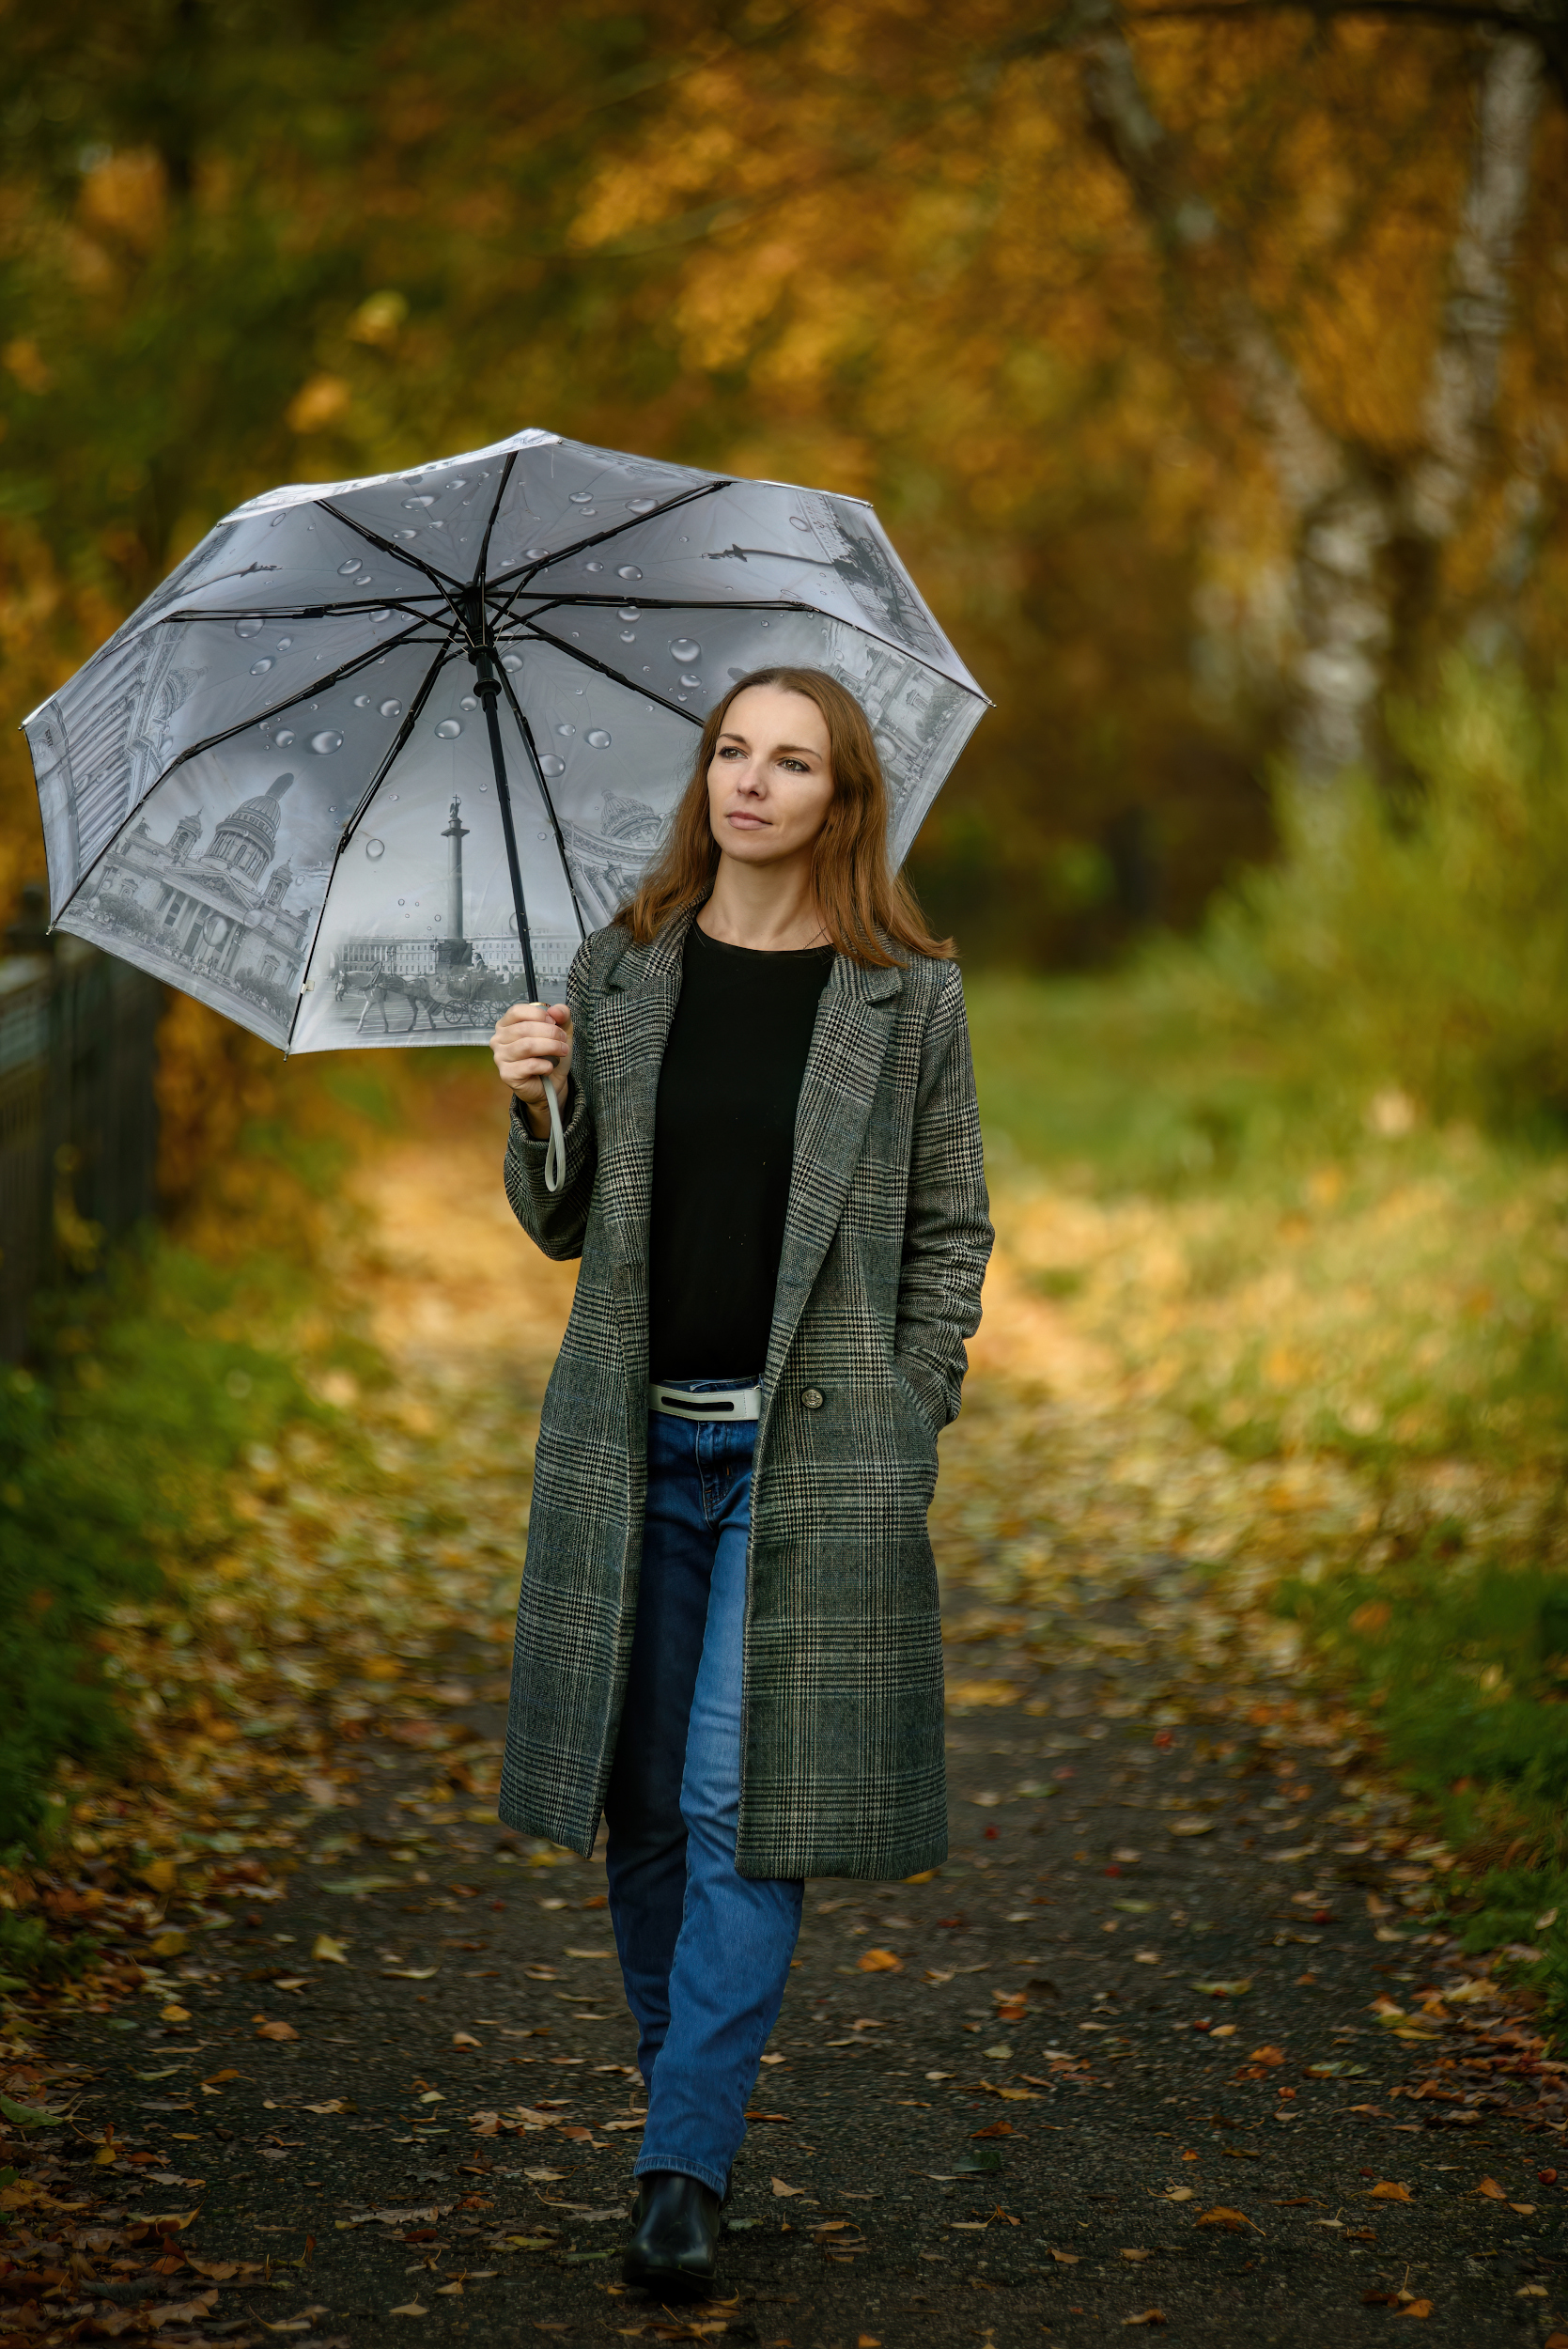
point(676, 2243)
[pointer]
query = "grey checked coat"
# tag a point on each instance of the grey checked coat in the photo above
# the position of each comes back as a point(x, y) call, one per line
point(885, 1246)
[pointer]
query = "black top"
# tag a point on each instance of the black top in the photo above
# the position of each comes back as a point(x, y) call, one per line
point(724, 1149)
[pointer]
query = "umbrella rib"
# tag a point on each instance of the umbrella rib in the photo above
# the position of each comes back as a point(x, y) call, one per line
point(485, 547)
point(650, 692)
point(532, 748)
point(671, 603)
point(400, 554)
point(212, 742)
point(302, 611)
point(636, 521)
point(316, 685)
point(398, 745)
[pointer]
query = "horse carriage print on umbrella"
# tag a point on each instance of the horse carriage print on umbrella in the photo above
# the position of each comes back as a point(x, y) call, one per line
point(421, 960)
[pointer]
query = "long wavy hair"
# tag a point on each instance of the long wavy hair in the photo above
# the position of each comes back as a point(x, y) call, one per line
point(869, 911)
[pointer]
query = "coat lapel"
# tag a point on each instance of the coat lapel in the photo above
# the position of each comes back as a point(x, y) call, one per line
point(631, 1027)
point(854, 1021)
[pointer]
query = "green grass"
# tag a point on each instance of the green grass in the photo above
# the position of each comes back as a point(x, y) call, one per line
point(1325, 1212)
point(143, 1393)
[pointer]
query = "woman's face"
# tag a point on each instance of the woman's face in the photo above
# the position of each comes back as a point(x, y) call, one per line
point(772, 781)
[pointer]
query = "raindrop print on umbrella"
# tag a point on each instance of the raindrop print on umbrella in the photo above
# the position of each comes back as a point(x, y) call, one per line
point(378, 754)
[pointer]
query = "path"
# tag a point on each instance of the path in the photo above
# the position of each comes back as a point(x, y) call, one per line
point(1160, 2046)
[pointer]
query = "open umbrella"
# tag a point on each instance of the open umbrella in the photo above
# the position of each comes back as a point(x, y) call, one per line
point(374, 759)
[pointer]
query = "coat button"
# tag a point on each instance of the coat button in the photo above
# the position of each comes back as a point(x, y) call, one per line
point(813, 1398)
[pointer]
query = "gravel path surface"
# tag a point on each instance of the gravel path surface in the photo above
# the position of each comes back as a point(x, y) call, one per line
point(1106, 2069)
point(1174, 2042)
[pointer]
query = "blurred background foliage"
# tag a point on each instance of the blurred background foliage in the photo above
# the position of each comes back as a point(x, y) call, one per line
point(1207, 361)
point(1207, 366)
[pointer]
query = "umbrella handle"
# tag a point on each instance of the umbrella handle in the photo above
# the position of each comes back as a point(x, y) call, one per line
point(555, 1155)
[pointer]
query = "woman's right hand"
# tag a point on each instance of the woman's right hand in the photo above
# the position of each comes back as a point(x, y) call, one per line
point(532, 1045)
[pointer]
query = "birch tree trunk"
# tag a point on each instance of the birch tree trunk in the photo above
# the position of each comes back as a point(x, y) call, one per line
point(1366, 545)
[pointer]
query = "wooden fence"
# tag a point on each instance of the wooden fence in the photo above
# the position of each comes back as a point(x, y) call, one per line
point(78, 1119)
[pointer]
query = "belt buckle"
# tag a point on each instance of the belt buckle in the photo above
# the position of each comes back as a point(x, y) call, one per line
point(733, 1405)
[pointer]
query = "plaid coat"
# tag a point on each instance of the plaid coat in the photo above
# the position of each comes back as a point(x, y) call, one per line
point(885, 1246)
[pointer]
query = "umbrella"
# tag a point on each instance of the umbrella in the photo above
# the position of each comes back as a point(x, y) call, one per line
point(378, 754)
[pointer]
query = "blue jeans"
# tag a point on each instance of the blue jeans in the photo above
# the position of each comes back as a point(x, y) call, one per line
point(705, 1952)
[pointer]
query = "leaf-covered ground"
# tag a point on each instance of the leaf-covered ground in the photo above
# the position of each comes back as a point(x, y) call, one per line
point(1175, 2040)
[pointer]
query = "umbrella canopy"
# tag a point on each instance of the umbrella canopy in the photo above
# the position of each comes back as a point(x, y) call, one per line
point(374, 759)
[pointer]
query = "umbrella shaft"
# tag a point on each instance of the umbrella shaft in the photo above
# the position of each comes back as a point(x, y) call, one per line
point(487, 686)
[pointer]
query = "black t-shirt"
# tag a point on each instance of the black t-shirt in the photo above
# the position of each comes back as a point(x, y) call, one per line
point(724, 1150)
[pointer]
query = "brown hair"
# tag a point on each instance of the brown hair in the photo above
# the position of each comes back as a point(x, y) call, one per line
point(868, 910)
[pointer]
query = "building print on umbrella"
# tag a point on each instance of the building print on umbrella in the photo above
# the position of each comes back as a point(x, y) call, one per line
point(221, 911)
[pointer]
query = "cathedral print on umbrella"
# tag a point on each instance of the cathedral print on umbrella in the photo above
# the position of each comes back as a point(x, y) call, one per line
point(278, 786)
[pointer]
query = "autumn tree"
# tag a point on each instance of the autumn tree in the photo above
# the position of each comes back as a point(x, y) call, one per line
point(1206, 360)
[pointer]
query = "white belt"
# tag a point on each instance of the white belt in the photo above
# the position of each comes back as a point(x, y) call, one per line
point(732, 1403)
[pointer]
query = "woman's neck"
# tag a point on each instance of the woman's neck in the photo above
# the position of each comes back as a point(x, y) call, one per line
point(771, 911)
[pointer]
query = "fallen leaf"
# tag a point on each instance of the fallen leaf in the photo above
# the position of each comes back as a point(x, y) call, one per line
point(29, 2116)
point(333, 2104)
point(409, 2307)
point(1222, 2216)
point(879, 1962)
point(1415, 2307)
point(1149, 2316)
point(177, 2313)
point(409, 1973)
point(175, 2013)
point(465, 2039)
point(276, 2030)
point(1266, 2055)
point(1178, 2194)
point(780, 2187)
point(1526, 2210)
point(1492, 2190)
point(324, 1951)
point(216, 2271)
point(353, 1885)
point(1067, 2259)
point(1137, 2255)
point(1386, 2191)
point(1224, 1990)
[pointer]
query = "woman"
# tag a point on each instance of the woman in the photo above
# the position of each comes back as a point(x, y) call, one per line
point(728, 1638)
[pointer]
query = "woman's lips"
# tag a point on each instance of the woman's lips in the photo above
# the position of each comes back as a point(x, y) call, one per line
point(750, 823)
